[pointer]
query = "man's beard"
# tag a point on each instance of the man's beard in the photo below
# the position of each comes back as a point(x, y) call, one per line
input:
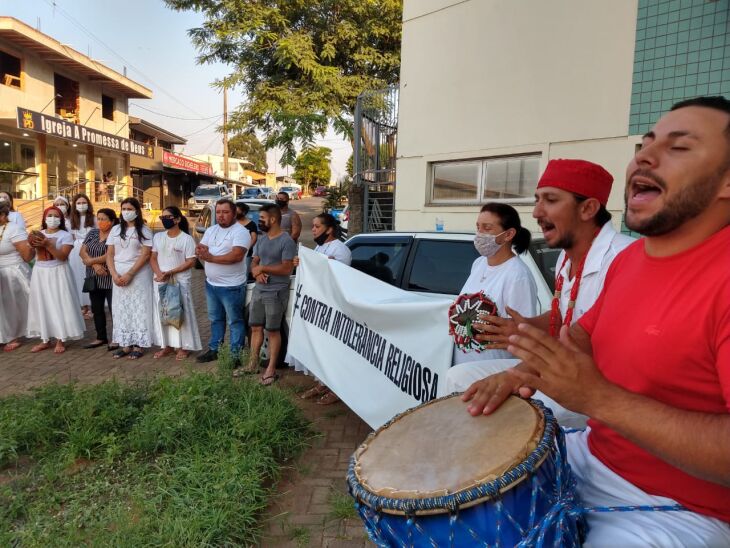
point(567, 241)
point(689, 202)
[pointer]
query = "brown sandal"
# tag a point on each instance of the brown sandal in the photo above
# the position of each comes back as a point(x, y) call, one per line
point(328, 399)
point(315, 391)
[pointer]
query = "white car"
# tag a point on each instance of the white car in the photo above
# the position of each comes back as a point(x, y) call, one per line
point(207, 194)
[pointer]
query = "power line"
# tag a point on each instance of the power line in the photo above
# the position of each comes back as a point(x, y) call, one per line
point(203, 129)
point(135, 105)
point(64, 13)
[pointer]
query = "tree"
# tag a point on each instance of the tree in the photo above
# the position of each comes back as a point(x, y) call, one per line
point(301, 64)
point(246, 146)
point(312, 167)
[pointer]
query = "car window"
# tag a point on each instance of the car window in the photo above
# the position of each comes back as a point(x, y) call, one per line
point(545, 259)
point(441, 266)
point(383, 261)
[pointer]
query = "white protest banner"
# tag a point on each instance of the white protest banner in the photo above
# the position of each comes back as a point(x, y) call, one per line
point(382, 350)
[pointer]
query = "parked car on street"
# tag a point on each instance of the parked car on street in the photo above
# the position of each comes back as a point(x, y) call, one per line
point(293, 192)
point(207, 194)
point(320, 191)
point(257, 192)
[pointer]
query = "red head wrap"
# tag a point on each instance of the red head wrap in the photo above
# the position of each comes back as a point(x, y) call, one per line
point(578, 176)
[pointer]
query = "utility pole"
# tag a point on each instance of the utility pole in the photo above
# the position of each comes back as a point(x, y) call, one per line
point(225, 132)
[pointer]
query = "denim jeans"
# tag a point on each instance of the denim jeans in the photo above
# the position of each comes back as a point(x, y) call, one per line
point(226, 303)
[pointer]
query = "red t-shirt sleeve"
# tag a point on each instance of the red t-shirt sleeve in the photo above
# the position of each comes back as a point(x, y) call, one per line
point(723, 356)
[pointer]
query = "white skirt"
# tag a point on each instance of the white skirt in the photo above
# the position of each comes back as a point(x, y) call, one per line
point(133, 312)
point(53, 307)
point(188, 336)
point(78, 269)
point(14, 295)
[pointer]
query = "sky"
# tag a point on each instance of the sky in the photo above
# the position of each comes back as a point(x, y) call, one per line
point(151, 41)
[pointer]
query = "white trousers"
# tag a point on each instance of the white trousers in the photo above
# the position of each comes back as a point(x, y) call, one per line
point(599, 486)
point(460, 377)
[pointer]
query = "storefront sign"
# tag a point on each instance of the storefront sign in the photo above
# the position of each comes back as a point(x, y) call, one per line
point(50, 125)
point(188, 164)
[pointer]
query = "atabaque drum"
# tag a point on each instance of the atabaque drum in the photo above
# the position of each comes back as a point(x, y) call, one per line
point(435, 476)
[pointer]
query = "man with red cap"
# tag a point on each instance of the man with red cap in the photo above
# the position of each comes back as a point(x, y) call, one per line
point(649, 363)
point(570, 208)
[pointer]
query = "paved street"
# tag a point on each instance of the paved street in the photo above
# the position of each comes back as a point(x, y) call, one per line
point(309, 488)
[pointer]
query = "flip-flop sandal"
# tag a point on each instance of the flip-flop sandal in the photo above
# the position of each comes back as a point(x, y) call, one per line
point(163, 353)
point(120, 353)
point(135, 355)
point(182, 355)
point(328, 399)
point(271, 378)
point(315, 391)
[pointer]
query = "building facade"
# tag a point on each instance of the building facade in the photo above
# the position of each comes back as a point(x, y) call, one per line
point(491, 90)
point(63, 120)
point(238, 169)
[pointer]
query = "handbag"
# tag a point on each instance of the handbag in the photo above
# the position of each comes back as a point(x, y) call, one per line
point(89, 284)
point(171, 304)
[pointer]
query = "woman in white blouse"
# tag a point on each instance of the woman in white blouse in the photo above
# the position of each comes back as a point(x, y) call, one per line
point(53, 307)
point(13, 216)
point(173, 257)
point(81, 220)
point(129, 246)
point(15, 252)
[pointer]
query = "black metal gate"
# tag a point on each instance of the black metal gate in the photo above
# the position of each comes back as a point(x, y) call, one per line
point(376, 130)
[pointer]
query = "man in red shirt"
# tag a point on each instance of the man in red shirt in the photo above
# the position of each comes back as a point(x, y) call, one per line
point(650, 361)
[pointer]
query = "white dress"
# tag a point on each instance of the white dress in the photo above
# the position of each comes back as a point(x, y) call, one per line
point(132, 313)
point(14, 284)
point(53, 307)
point(171, 253)
point(78, 269)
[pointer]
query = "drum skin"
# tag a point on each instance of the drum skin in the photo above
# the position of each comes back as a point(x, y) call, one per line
point(530, 503)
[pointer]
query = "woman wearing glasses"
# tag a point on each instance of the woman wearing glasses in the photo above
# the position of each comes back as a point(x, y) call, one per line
point(173, 257)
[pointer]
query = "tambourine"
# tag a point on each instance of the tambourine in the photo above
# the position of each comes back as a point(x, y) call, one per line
point(466, 310)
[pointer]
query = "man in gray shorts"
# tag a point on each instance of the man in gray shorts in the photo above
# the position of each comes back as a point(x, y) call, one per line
point(272, 264)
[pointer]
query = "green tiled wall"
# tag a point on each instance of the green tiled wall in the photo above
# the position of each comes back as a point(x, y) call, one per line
point(682, 51)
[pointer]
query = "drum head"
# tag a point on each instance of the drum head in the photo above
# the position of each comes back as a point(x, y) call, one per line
point(439, 449)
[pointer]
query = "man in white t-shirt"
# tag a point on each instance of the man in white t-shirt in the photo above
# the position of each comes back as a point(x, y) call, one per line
point(570, 208)
point(223, 251)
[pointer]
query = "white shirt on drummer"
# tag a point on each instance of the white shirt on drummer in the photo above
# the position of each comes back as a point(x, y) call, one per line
point(606, 246)
point(61, 237)
point(336, 250)
point(508, 284)
point(172, 252)
point(221, 241)
point(128, 250)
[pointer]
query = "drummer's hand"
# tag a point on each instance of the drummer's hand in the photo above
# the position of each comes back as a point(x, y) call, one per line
point(559, 369)
point(489, 393)
point(494, 331)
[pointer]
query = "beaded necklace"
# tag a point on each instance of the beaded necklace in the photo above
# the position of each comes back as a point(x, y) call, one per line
point(555, 305)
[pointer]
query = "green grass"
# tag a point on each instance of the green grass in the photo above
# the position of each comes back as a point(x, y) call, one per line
point(301, 535)
point(342, 506)
point(178, 462)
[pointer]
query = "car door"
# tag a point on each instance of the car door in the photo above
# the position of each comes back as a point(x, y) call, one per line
point(439, 267)
point(383, 258)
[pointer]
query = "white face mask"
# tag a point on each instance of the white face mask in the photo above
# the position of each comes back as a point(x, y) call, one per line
point(82, 208)
point(63, 208)
point(53, 222)
point(4, 200)
point(486, 244)
point(129, 215)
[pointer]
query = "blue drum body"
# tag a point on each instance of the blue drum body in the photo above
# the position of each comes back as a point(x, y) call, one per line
point(532, 504)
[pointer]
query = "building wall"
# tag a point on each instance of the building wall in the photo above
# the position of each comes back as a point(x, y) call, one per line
point(486, 78)
point(37, 91)
point(682, 50)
